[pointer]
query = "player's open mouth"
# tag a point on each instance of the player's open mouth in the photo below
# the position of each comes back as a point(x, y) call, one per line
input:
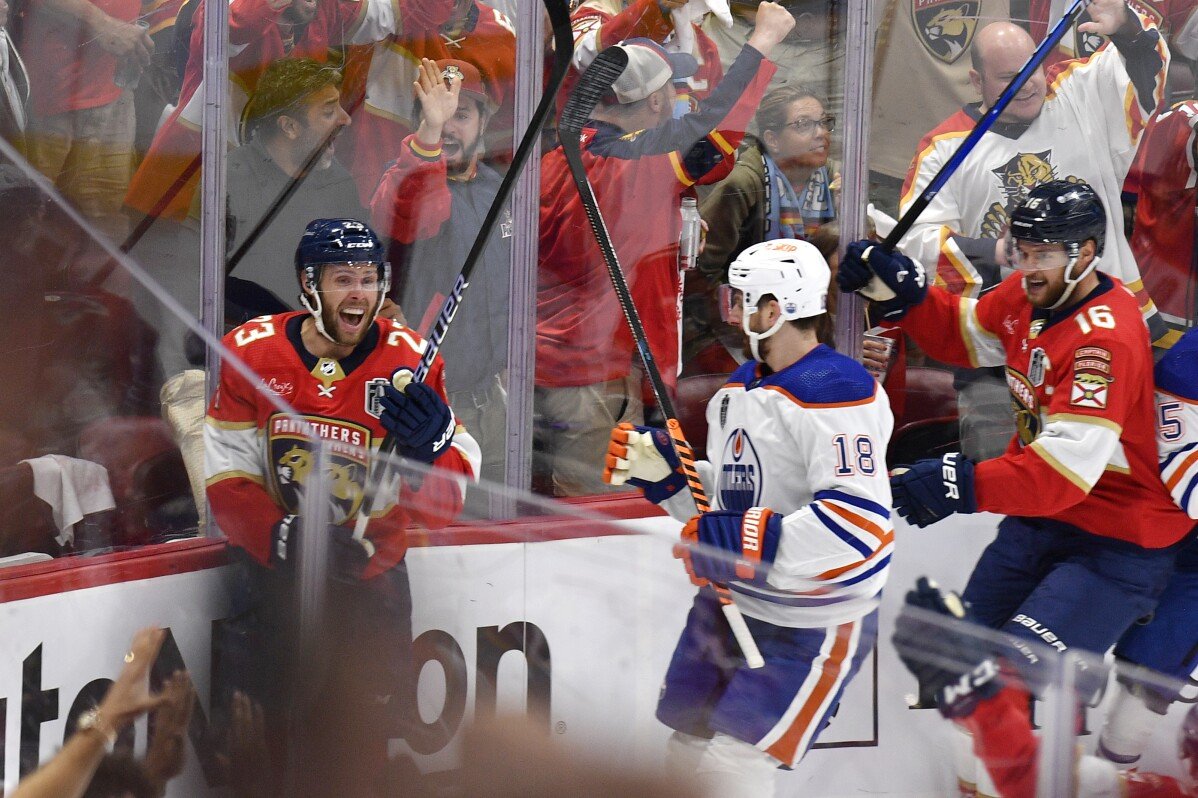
point(1035, 283)
point(352, 317)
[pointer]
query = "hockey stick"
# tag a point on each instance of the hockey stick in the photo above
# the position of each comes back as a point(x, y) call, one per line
point(563, 53)
point(597, 80)
point(984, 124)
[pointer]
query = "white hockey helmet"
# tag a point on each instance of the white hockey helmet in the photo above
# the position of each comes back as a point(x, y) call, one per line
point(791, 271)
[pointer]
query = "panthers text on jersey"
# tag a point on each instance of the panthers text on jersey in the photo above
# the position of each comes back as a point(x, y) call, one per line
point(809, 442)
point(1085, 450)
point(258, 458)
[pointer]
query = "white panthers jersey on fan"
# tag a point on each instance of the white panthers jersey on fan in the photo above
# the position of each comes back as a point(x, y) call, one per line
point(1088, 129)
point(809, 442)
point(1176, 378)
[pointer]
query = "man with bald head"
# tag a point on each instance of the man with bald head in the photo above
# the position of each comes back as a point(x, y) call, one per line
point(1077, 120)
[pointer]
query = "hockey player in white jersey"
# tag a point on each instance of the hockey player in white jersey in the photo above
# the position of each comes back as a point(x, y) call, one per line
point(800, 530)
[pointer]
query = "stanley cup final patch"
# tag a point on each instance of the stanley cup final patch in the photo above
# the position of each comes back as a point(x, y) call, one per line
point(1091, 377)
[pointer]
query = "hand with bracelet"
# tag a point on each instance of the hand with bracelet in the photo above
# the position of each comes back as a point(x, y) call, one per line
point(70, 772)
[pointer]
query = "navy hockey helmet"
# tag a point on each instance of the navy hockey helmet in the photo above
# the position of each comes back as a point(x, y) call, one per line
point(327, 241)
point(1062, 212)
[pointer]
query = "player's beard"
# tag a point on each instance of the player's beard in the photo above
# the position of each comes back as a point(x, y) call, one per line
point(332, 324)
point(746, 347)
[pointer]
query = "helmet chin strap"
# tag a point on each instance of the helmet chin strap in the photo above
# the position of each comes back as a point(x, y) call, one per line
point(754, 337)
point(1071, 282)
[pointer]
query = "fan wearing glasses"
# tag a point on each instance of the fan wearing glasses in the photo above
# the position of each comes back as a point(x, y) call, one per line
point(783, 186)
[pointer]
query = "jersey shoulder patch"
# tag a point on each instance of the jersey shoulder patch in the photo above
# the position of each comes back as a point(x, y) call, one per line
point(825, 377)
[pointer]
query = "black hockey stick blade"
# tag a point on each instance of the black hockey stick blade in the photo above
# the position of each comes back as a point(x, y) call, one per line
point(595, 82)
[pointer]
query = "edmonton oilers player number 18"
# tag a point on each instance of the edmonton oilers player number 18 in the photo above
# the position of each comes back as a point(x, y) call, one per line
point(801, 509)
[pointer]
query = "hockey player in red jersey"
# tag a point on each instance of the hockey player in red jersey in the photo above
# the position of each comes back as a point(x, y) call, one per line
point(976, 691)
point(333, 363)
point(338, 366)
point(1089, 539)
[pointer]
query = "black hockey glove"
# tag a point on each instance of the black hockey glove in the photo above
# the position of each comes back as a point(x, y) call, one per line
point(957, 666)
point(349, 556)
point(901, 282)
point(420, 420)
point(933, 489)
point(284, 543)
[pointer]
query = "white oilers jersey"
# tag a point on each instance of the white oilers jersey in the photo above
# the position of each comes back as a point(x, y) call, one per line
point(809, 442)
point(1176, 378)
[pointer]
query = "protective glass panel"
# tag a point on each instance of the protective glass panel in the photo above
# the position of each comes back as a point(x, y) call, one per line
point(734, 150)
point(99, 432)
point(345, 133)
point(531, 648)
point(997, 368)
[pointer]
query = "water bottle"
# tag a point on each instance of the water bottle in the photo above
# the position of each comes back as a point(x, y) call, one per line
point(692, 232)
point(128, 71)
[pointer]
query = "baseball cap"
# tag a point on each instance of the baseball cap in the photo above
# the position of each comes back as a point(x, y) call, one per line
point(470, 77)
point(649, 67)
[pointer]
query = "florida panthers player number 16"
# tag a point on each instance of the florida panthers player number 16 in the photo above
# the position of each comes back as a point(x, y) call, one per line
point(801, 521)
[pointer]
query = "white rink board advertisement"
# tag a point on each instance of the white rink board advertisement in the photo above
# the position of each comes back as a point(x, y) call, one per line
point(607, 610)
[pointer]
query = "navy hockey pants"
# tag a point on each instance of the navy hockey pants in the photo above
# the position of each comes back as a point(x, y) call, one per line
point(1057, 585)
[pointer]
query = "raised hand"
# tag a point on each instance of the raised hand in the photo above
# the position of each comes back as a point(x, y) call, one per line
point(774, 23)
point(438, 99)
point(1106, 17)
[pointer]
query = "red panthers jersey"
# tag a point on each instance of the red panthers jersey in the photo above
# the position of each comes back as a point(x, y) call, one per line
point(1085, 449)
point(1163, 236)
point(259, 458)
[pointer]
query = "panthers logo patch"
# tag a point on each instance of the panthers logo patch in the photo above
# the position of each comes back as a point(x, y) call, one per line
point(945, 27)
point(1015, 178)
point(289, 443)
point(1025, 405)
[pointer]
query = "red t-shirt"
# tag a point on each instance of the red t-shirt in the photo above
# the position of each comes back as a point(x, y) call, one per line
point(68, 69)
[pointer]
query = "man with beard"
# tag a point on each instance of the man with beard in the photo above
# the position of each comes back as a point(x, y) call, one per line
point(800, 511)
point(1104, 101)
point(339, 367)
point(1091, 532)
point(431, 203)
point(296, 108)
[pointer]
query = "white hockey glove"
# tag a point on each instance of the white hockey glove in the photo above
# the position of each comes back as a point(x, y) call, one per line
point(644, 457)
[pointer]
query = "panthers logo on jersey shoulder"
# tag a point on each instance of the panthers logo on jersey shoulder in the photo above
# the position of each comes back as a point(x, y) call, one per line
point(740, 479)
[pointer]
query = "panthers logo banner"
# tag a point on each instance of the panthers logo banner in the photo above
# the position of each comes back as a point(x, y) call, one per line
point(945, 27)
point(293, 460)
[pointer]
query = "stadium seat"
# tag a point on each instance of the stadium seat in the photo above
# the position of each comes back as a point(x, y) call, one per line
point(928, 426)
